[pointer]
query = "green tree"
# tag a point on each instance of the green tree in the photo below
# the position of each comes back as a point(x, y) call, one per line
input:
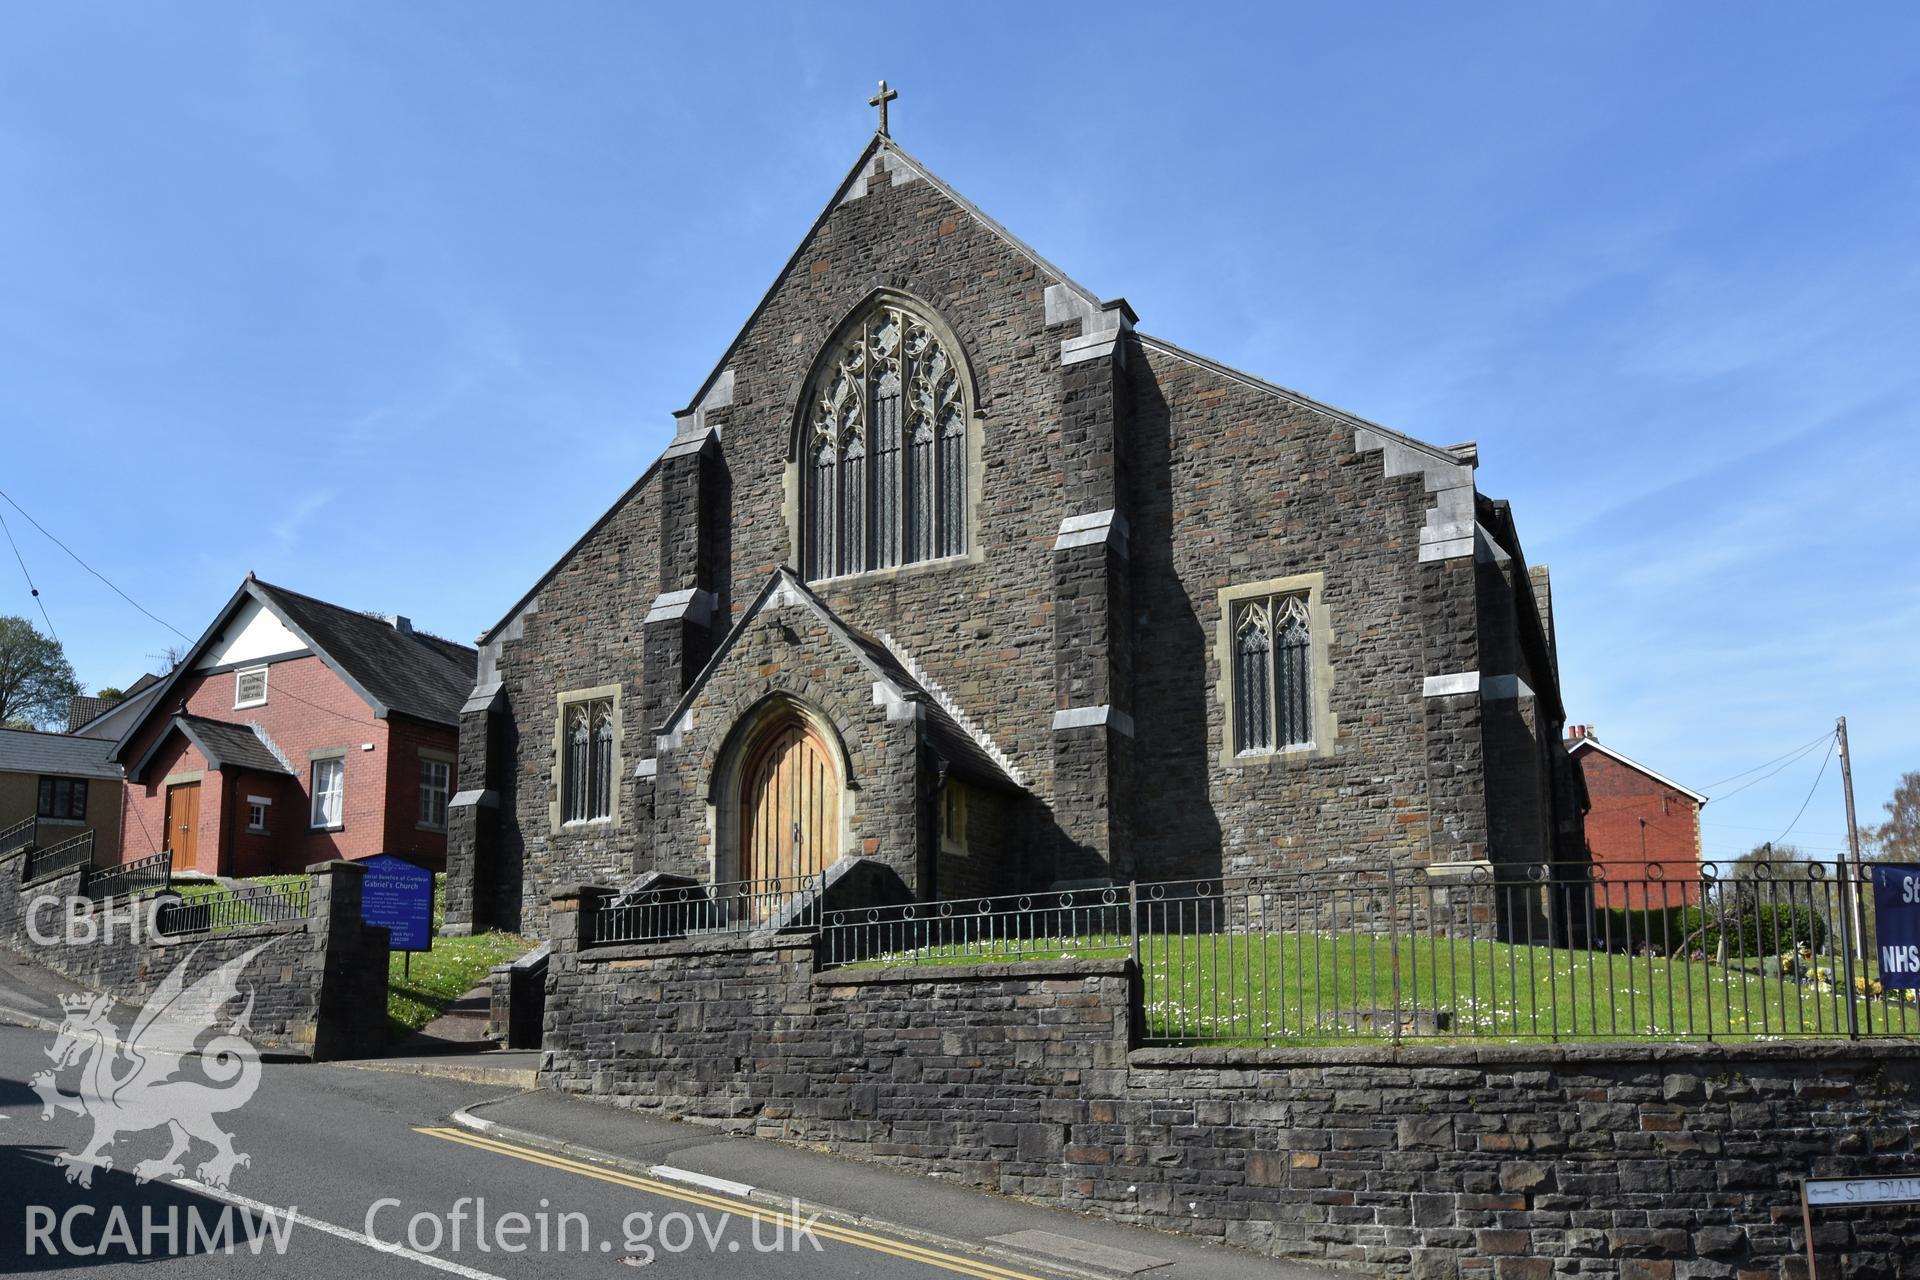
point(1762, 862)
point(111, 694)
point(36, 680)
point(1898, 838)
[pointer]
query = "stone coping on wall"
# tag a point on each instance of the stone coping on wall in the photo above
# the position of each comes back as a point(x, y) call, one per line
point(985, 972)
point(1483, 1054)
point(695, 947)
point(266, 929)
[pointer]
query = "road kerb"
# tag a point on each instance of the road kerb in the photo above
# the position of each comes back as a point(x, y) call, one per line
point(762, 1195)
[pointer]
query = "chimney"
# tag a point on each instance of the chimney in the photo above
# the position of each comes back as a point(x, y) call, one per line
point(400, 623)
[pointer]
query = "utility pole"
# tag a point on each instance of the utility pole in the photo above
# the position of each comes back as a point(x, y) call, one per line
point(1853, 845)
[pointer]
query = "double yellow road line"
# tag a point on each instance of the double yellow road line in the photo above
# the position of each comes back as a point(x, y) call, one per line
point(824, 1229)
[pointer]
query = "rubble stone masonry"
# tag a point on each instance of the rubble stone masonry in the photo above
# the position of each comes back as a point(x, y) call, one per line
point(1502, 1162)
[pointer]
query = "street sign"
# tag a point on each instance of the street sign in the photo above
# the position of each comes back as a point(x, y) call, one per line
point(399, 896)
point(1896, 924)
point(1846, 1191)
point(1841, 1193)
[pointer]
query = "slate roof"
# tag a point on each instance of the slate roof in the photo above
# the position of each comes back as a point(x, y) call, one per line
point(222, 742)
point(409, 672)
point(24, 752)
point(400, 672)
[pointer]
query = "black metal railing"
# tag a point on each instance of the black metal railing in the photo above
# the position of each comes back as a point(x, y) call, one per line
point(20, 835)
point(55, 858)
point(1527, 953)
point(229, 909)
point(1033, 926)
point(726, 907)
point(155, 871)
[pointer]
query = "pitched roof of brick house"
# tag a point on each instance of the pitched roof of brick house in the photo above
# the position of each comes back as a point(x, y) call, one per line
point(1587, 741)
point(394, 669)
point(222, 742)
point(393, 666)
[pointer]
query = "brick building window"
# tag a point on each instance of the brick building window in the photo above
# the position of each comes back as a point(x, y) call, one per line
point(435, 775)
point(586, 782)
point(250, 687)
point(883, 457)
point(257, 809)
point(63, 799)
point(329, 794)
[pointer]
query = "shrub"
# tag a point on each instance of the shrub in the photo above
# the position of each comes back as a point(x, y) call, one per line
point(1752, 929)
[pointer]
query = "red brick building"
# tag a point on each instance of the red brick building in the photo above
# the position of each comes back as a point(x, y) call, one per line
point(1642, 827)
point(295, 731)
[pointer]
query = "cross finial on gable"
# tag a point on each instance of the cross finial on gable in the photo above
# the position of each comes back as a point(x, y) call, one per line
point(880, 100)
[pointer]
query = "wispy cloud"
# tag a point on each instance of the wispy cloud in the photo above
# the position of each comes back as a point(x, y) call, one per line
point(288, 528)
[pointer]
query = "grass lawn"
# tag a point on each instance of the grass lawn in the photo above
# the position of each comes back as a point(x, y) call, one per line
point(1333, 988)
point(438, 977)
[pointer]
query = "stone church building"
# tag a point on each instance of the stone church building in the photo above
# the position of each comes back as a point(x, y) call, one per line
point(950, 566)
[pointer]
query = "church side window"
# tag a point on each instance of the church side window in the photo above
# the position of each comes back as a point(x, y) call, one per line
point(1272, 675)
point(884, 452)
point(586, 782)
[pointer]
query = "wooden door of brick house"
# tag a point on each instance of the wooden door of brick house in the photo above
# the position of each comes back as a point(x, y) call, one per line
point(183, 826)
point(789, 806)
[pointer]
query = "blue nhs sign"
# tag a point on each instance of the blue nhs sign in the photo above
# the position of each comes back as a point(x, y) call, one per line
point(1896, 924)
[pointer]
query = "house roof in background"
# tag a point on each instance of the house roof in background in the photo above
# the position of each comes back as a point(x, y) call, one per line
point(85, 707)
point(25, 752)
point(139, 693)
point(1578, 745)
point(394, 670)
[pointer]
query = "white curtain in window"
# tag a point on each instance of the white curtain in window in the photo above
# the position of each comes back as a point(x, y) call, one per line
point(329, 790)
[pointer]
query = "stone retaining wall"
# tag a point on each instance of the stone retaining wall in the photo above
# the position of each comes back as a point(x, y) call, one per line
point(1520, 1162)
point(319, 986)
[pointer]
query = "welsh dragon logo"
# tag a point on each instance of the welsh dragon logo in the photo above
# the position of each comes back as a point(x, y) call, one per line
point(129, 1086)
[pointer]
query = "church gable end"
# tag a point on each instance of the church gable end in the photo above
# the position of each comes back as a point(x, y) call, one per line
point(1210, 625)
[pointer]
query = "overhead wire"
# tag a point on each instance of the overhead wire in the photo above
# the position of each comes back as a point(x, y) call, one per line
point(84, 565)
point(1824, 762)
point(31, 588)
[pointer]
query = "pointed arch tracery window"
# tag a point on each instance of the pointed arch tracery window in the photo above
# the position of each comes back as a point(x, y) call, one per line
point(1272, 675)
point(884, 451)
point(586, 766)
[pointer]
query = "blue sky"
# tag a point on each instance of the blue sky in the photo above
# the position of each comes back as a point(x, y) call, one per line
point(388, 302)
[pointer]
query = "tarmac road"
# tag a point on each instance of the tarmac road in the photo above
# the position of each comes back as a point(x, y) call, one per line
point(366, 1163)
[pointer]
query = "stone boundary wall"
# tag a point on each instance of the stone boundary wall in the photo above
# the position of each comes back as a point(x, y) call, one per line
point(319, 987)
point(1487, 1162)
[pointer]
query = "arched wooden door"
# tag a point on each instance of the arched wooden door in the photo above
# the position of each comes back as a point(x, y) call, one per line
point(789, 805)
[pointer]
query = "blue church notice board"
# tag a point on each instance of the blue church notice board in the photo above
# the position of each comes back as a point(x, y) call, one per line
point(1896, 924)
point(399, 896)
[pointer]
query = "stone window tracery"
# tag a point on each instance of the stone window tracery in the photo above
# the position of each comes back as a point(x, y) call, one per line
point(884, 452)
